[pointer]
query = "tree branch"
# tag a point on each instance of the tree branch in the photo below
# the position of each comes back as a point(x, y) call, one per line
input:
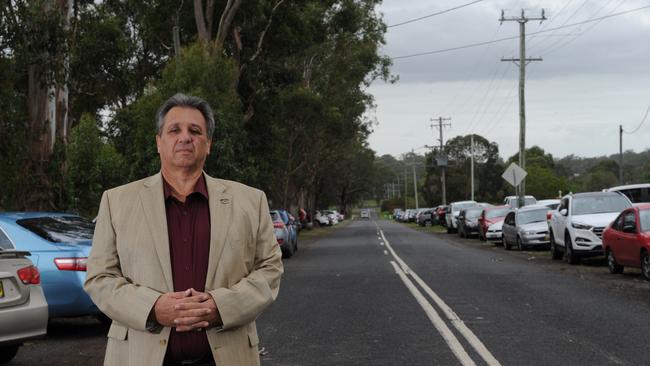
point(263, 34)
point(224, 23)
point(199, 18)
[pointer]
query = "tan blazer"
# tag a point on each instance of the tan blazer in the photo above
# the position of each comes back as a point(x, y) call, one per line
point(129, 268)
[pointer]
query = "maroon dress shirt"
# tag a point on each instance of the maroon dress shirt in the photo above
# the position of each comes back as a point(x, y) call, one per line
point(188, 226)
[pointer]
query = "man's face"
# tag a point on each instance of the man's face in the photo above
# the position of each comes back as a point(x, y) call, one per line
point(183, 142)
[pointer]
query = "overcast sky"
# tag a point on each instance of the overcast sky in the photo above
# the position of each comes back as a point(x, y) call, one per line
point(593, 77)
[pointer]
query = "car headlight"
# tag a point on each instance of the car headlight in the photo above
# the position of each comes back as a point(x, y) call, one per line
point(580, 226)
point(528, 233)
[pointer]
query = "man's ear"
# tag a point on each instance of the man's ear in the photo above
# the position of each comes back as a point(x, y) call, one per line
point(158, 143)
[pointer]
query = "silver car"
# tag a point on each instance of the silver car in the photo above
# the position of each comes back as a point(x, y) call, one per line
point(526, 227)
point(23, 309)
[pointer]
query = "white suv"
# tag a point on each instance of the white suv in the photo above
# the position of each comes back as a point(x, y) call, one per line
point(576, 227)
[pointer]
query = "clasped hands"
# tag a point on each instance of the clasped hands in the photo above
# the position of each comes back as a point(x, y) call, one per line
point(186, 310)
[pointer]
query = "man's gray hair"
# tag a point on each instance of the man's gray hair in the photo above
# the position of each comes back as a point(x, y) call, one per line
point(183, 100)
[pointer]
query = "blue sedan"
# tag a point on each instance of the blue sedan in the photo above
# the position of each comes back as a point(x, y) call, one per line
point(59, 244)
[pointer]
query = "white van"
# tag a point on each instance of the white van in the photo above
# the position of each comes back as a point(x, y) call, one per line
point(637, 193)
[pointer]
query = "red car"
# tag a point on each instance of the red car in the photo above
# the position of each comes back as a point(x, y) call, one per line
point(626, 241)
point(489, 216)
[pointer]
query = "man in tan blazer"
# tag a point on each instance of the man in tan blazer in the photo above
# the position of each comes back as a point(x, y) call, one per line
point(182, 262)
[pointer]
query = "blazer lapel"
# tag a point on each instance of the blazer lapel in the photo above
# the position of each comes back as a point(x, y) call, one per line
point(221, 209)
point(154, 211)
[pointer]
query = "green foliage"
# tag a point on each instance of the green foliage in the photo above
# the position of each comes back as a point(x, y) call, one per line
point(93, 166)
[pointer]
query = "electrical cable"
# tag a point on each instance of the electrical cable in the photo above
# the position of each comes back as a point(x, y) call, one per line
point(432, 15)
point(640, 124)
point(515, 37)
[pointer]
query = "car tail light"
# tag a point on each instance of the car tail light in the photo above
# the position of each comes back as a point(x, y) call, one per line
point(280, 241)
point(29, 275)
point(71, 264)
point(278, 225)
point(548, 215)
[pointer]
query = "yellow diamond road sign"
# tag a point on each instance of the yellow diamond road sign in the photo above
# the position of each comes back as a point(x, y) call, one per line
point(514, 174)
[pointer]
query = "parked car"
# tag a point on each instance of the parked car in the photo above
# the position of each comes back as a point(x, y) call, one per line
point(59, 244)
point(513, 201)
point(321, 218)
point(490, 216)
point(468, 222)
point(576, 227)
point(23, 309)
point(396, 213)
point(494, 233)
point(425, 217)
point(452, 212)
point(525, 227)
point(439, 216)
point(627, 241)
point(636, 193)
point(283, 234)
point(333, 216)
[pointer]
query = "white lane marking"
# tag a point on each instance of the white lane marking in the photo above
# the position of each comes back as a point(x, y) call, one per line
point(381, 243)
point(435, 319)
point(385, 252)
point(455, 320)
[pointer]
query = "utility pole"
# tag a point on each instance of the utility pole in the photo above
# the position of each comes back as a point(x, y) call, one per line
point(620, 154)
point(405, 186)
point(522, 61)
point(442, 161)
point(472, 164)
point(415, 180)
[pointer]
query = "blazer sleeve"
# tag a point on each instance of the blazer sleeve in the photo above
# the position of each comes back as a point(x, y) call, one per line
point(118, 298)
point(245, 301)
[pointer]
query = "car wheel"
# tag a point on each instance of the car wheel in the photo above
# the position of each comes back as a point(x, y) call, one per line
point(449, 231)
point(7, 353)
point(645, 265)
point(506, 245)
point(288, 253)
point(555, 251)
point(613, 267)
point(569, 253)
point(519, 244)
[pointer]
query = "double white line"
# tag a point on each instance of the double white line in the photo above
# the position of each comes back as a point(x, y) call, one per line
point(403, 271)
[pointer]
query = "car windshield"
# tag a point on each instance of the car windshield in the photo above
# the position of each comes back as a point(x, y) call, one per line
point(472, 214)
point(275, 216)
point(527, 202)
point(599, 204)
point(644, 220)
point(528, 217)
point(463, 206)
point(60, 229)
point(497, 212)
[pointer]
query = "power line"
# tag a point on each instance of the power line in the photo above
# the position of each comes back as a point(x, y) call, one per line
point(434, 14)
point(515, 37)
point(640, 124)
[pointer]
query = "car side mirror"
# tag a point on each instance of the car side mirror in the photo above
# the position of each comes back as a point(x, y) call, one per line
point(630, 229)
point(564, 212)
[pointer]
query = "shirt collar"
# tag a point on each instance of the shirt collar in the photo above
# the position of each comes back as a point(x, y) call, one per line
point(200, 187)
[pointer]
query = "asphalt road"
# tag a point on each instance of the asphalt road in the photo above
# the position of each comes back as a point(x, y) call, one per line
point(381, 293)
point(342, 302)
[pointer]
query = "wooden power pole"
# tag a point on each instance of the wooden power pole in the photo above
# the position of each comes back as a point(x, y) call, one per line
point(442, 164)
point(522, 61)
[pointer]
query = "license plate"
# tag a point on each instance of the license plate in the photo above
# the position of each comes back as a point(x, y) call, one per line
point(2, 290)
